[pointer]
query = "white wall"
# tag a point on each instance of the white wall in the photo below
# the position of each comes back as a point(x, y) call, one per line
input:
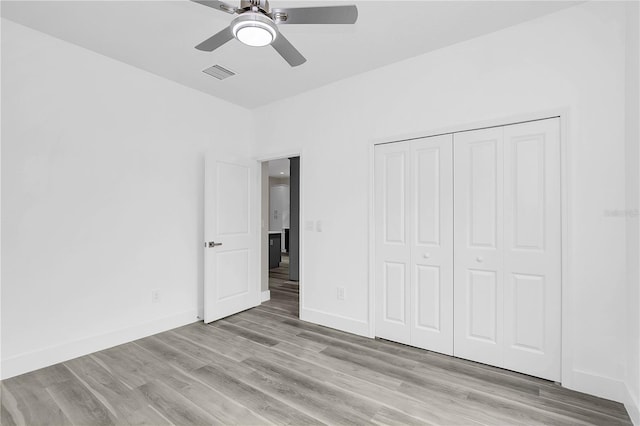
point(0, 219)
point(278, 205)
point(573, 59)
point(102, 169)
point(632, 322)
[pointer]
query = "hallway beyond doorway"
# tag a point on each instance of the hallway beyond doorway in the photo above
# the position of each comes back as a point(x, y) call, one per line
point(284, 293)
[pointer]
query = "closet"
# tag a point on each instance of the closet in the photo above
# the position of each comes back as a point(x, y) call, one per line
point(468, 245)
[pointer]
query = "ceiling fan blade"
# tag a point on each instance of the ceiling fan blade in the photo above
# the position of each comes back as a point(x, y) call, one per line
point(316, 15)
point(215, 41)
point(287, 51)
point(214, 4)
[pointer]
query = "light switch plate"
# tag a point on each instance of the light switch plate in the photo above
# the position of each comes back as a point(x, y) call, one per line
point(308, 225)
point(319, 226)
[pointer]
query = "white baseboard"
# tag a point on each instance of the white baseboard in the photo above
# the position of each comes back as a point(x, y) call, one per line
point(45, 357)
point(608, 388)
point(350, 325)
point(594, 384)
point(266, 295)
point(632, 404)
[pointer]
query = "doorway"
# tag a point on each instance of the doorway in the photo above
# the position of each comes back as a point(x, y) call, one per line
point(280, 242)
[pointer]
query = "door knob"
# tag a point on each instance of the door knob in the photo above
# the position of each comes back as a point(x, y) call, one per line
point(479, 259)
point(426, 255)
point(212, 244)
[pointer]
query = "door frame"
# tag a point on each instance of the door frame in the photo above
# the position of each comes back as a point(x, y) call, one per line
point(263, 159)
point(564, 114)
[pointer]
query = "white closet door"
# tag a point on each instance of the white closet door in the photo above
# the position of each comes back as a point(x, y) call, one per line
point(393, 241)
point(532, 254)
point(508, 247)
point(478, 219)
point(432, 244)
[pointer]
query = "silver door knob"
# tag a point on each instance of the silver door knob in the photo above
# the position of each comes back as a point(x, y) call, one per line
point(212, 244)
point(479, 259)
point(426, 255)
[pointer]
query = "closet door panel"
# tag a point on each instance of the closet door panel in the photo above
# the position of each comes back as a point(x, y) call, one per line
point(432, 244)
point(478, 245)
point(532, 230)
point(428, 299)
point(483, 192)
point(482, 308)
point(392, 240)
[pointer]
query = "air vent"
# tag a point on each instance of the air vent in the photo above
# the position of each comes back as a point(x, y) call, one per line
point(219, 72)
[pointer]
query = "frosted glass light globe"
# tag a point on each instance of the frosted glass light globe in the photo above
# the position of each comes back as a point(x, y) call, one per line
point(254, 30)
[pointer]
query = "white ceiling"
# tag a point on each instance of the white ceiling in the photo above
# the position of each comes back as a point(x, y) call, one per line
point(159, 37)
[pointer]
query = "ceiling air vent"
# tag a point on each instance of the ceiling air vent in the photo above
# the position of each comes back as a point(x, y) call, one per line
point(219, 72)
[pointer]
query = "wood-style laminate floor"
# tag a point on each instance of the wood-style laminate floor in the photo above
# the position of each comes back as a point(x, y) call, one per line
point(265, 366)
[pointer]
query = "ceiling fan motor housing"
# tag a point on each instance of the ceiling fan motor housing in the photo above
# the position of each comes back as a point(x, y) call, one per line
point(260, 4)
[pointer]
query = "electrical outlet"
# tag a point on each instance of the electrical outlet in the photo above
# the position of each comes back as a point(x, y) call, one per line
point(155, 296)
point(308, 225)
point(340, 293)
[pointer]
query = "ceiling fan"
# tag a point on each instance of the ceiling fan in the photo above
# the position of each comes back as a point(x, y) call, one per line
point(257, 25)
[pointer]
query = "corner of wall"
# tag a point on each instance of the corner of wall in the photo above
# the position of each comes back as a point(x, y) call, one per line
point(608, 388)
point(0, 221)
point(632, 150)
point(632, 404)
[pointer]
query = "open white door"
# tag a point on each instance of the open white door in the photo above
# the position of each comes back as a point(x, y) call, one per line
point(231, 239)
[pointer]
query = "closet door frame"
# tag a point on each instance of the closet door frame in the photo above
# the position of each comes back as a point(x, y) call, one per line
point(564, 115)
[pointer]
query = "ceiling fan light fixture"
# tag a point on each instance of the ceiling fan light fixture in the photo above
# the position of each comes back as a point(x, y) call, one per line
point(254, 29)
